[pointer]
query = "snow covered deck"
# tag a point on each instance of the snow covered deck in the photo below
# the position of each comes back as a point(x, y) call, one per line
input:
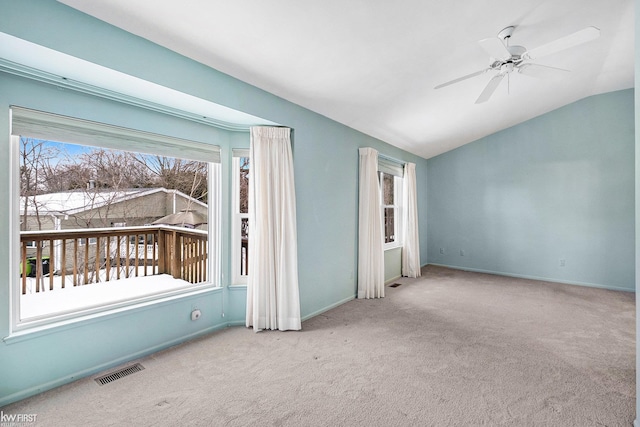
point(76, 298)
point(72, 270)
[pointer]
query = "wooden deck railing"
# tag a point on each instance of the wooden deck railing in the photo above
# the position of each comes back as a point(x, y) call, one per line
point(56, 259)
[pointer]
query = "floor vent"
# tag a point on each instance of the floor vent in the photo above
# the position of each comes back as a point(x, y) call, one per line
point(112, 376)
point(395, 285)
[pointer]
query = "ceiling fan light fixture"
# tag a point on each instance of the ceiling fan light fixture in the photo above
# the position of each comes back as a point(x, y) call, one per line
point(516, 51)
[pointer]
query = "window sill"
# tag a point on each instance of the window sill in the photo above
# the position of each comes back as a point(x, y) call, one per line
point(391, 246)
point(33, 329)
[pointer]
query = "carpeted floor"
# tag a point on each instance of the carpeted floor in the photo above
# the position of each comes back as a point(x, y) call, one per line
point(450, 349)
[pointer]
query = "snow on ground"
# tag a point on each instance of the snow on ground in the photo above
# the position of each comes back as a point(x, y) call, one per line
point(73, 298)
point(102, 274)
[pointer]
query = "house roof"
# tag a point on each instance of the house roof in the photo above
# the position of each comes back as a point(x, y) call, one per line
point(374, 64)
point(78, 201)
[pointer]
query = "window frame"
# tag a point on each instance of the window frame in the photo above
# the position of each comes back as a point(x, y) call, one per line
point(169, 146)
point(236, 218)
point(83, 242)
point(396, 206)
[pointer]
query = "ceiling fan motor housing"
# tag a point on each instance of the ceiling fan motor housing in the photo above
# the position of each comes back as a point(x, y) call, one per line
point(515, 59)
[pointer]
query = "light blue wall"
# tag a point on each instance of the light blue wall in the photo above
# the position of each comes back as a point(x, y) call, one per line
point(83, 348)
point(325, 162)
point(557, 187)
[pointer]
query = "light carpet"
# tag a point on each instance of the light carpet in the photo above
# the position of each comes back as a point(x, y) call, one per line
point(452, 348)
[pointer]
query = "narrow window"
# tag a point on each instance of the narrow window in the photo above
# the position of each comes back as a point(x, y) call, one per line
point(240, 221)
point(390, 179)
point(389, 207)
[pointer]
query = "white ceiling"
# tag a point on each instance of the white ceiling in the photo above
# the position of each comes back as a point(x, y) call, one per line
point(373, 64)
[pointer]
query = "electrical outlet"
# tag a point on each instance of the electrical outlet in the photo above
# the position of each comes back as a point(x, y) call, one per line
point(442, 251)
point(563, 263)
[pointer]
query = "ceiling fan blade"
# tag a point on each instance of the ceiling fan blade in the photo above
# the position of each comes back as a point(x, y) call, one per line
point(540, 71)
point(495, 48)
point(579, 37)
point(459, 79)
point(490, 88)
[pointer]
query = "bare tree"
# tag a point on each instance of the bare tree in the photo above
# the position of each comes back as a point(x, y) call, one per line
point(244, 184)
point(67, 176)
point(186, 176)
point(35, 158)
point(104, 176)
point(116, 169)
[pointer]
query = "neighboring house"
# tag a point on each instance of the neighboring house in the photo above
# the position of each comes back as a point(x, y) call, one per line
point(95, 208)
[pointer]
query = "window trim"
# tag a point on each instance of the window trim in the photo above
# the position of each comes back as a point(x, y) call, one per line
point(83, 242)
point(57, 127)
point(390, 166)
point(236, 218)
point(169, 146)
point(397, 206)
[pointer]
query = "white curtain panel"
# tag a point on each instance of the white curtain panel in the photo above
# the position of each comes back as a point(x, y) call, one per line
point(370, 231)
point(411, 237)
point(273, 300)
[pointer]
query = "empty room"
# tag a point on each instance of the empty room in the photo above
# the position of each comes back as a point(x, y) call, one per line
point(318, 213)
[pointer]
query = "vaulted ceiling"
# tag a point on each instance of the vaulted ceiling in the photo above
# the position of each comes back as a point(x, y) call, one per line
point(373, 64)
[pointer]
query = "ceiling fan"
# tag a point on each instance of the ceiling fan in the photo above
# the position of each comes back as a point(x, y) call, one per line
point(506, 59)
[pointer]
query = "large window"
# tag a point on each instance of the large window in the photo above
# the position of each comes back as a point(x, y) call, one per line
point(108, 216)
point(240, 220)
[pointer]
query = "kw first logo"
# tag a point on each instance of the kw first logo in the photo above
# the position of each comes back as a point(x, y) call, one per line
point(7, 420)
